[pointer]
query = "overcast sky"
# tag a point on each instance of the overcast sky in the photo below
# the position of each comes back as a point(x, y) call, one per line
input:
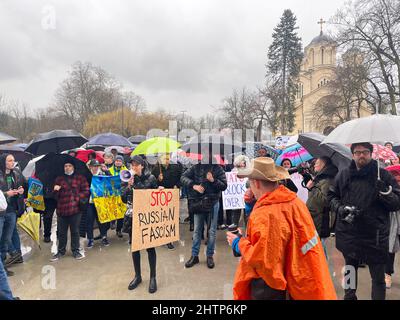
point(177, 54)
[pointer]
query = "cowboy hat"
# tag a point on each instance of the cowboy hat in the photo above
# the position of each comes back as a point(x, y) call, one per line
point(264, 169)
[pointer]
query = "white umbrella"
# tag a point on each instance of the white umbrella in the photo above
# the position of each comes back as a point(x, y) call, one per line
point(30, 167)
point(373, 129)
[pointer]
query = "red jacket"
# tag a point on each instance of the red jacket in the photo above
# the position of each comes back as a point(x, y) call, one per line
point(70, 193)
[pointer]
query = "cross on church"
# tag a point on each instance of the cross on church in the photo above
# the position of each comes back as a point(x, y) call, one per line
point(321, 22)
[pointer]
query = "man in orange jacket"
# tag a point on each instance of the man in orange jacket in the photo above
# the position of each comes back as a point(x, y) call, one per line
point(281, 254)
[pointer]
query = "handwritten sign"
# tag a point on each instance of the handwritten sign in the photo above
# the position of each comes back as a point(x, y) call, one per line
point(155, 218)
point(233, 196)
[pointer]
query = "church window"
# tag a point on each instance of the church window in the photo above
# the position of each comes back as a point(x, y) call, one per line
point(322, 55)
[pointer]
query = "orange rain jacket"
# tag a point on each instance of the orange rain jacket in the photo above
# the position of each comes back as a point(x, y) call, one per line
point(283, 248)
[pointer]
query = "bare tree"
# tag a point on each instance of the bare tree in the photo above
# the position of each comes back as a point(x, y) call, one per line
point(22, 123)
point(373, 26)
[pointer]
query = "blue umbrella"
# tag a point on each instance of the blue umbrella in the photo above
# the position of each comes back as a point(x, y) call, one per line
point(296, 154)
point(108, 139)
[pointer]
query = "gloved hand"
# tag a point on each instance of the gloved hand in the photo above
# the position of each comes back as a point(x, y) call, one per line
point(345, 210)
point(382, 187)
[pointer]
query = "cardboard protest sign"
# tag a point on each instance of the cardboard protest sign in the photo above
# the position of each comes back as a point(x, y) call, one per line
point(155, 218)
point(233, 196)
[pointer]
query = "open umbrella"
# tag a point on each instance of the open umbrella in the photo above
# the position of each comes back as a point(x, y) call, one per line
point(5, 138)
point(55, 141)
point(252, 147)
point(297, 154)
point(52, 165)
point(135, 140)
point(215, 144)
point(30, 223)
point(383, 153)
point(108, 139)
point(29, 170)
point(157, 145)
point(339, 154)
point(19, 154)
point(373, 129)
point(83, 155)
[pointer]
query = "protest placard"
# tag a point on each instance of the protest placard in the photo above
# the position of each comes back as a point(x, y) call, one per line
point(155, 218)
point(233, 196)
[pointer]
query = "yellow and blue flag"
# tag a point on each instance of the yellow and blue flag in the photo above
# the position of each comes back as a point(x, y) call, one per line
point(35, 194)
point(106, 195)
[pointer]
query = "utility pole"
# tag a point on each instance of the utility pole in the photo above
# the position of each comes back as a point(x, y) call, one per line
point(183, 118)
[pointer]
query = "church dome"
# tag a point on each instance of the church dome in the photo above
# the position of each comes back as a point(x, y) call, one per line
point(321, 38)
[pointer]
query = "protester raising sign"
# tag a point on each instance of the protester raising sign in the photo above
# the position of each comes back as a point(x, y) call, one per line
point(35, 194)
point(155, 218)
point(233, 196)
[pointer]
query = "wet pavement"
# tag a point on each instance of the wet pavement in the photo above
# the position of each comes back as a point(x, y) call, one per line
point(106, 272)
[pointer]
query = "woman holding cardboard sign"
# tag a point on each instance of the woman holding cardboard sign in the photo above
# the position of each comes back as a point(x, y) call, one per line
point(141, 179)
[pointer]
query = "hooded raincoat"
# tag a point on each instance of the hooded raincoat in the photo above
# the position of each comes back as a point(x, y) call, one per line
point(283, 248)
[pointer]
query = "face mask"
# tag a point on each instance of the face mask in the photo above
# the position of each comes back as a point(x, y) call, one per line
point(69, 174)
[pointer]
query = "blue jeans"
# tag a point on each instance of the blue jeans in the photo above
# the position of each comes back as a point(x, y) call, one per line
point(7, 226)
point(5, 291)
point(90, 218)
point(199, 220)
point(15, 244)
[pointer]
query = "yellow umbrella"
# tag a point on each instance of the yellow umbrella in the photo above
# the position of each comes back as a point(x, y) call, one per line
point(30, 223)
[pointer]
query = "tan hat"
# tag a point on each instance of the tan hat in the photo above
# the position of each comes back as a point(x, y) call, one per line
point(264, 169)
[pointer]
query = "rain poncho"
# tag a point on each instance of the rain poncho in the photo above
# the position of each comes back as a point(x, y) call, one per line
point(283, 248)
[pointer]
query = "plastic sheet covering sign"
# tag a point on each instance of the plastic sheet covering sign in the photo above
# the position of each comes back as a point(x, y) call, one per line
point(35, 194)
point(106, 195)
point(155, 218)
point(233, 196)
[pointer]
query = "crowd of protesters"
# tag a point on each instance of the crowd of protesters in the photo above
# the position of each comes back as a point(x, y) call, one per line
point(362, 212)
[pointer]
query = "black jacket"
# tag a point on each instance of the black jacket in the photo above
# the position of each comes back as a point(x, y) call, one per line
point(19, 181)
point(197, 175)
point(317, 202)
point(145, 181)
point(368, 237)
point(171, 175)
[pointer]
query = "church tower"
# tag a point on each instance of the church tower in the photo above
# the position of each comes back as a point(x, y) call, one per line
point(317, 69)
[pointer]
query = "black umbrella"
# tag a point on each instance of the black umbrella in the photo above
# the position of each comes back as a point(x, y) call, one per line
point(51, 166)
point(339, 154)
point(19, 154)
point(55, 141)
point(213, 144)
point(5, 138)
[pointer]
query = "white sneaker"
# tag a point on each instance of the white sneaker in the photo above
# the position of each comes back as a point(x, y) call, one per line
point(388, 281)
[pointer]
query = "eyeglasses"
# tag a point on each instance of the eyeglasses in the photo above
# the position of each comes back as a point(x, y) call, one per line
point(359, 153)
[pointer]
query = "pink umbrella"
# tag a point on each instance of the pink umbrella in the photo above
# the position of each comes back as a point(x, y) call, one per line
point(383, 154)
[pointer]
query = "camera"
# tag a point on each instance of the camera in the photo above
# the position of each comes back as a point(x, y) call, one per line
point(304, 170)
point(352, 213)
point(234, 229)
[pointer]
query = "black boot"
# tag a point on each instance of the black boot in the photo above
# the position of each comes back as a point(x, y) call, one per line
point(153, 285)
point(192, 261)
point(210, 262)
point(135, 282)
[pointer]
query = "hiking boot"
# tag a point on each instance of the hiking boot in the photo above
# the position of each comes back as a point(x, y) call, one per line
point(388, 281)
point(134, 283)
point(192, 261)
point(210, 262)
point(105, 242)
